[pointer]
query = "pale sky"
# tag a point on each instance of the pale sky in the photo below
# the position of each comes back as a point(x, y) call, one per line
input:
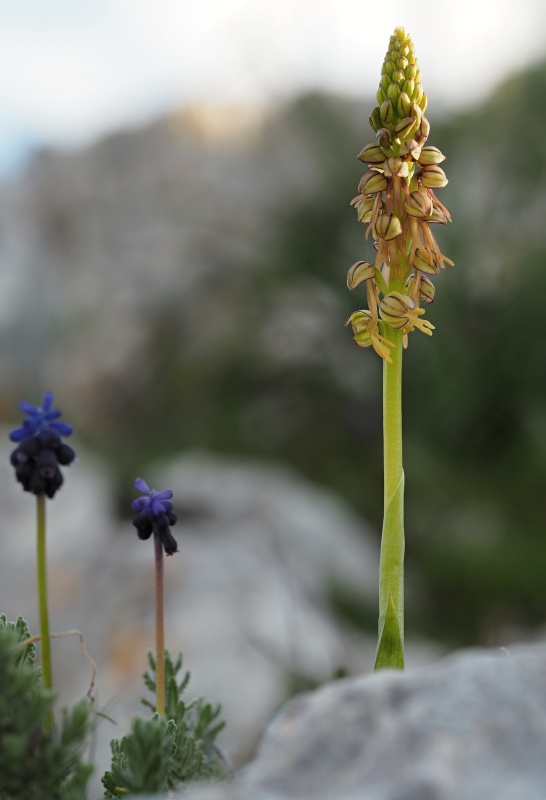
point(71, 70)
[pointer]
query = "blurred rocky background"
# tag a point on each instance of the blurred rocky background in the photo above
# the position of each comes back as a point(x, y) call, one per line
point(181, 289)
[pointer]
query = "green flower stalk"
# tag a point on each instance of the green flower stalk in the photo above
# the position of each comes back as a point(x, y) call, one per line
point(41, 568)
point(397, 203)
point(37, 459)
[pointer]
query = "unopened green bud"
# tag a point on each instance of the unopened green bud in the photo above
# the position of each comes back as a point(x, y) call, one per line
point(387, 227)
point(399, 68)
point(372, 182)
point(419, 204)
point(433, 177)
point(371, 154)
point(383, 86)
point(423, 102)
point(404, 104)
point(375, 119)
point(423, 130)
point(431, 155)
point(425, 263)
point(393, 93)
point(406, 127)
point(384, 139)
point(359, 273)
point(410, 146)
point(397, 166)
point(415, 112)
point(409, 87)
point(387, 112)
point(388, 67)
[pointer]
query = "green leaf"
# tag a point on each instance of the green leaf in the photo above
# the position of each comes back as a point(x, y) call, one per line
point(164, 753)
point(20, 628)
point(37, 761)
point(381, 283)
point(390, 648)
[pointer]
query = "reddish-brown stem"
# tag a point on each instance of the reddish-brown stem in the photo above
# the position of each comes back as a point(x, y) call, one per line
point(159, 628)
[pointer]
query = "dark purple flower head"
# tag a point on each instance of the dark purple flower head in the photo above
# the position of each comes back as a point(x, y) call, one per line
point(36, 462)
point(39, 420)
point(40, 451)
point(155, 511)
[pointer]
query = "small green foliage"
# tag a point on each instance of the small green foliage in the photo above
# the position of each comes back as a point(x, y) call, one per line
point(161, 754)
point(36, 761)
point(173, 689)
point(20, 628)
point(140, 761)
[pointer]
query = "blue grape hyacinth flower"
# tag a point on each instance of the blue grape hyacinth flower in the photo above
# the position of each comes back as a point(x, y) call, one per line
point(155, 511)
point(40, 451)
point(40, 419)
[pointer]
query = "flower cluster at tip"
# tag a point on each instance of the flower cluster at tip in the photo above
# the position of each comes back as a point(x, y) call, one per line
point(154, 511)
point(41, 451)
point(396, 201)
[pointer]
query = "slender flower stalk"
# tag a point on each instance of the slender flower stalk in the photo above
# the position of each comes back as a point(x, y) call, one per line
point(36, 460)
point(155, 515)
point(41, 562)
point(159, 626)
point(397, 203)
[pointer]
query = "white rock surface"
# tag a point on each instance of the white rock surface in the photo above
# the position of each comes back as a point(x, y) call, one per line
point(470, 728)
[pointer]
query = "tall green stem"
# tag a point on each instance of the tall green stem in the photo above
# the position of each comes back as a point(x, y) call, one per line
point(390, 648)
point(42, 588)
point(159, 628)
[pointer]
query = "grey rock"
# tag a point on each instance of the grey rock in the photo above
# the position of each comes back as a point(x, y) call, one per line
point(470, 728)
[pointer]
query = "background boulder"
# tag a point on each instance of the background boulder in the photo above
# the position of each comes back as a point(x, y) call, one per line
point(473, 726)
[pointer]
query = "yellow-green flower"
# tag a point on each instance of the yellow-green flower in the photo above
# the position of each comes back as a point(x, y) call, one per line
point(366, 333)
point(397, 203)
